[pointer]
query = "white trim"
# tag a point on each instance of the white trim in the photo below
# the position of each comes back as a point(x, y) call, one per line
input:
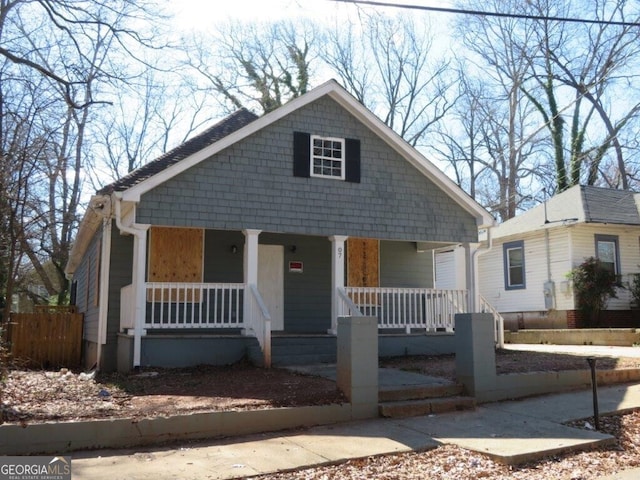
point(105, 266)
point(332, 89)
point(338, 253)
point(322, 158)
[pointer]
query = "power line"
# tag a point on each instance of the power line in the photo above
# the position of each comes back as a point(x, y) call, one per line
point(490, 14)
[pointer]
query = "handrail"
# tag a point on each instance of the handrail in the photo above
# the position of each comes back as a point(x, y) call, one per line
point(262, 329)
point(351, 308)
point(499, 321)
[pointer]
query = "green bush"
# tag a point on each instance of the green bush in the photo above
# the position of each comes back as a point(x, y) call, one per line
point(634, 289)
point(593, 285)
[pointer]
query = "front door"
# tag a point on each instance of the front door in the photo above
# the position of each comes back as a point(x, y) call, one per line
point(271, 282)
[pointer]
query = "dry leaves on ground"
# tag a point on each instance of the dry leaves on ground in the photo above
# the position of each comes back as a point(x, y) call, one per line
point(36, 396)
point(450, 462)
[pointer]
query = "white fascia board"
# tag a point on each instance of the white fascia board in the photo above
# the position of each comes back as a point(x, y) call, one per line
point(89, 225)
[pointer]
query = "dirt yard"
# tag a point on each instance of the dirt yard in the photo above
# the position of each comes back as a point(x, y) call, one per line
point(39, 396)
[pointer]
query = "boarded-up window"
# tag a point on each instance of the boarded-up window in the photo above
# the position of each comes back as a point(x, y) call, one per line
point(175, 256)
point(363, 266)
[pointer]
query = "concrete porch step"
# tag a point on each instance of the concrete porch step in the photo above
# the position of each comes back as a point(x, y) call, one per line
point(419, 392)
point(427, 406)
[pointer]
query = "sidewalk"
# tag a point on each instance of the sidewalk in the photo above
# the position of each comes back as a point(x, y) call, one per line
point(510, 432)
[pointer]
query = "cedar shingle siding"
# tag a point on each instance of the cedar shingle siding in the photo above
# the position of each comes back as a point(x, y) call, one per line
point(251, 185)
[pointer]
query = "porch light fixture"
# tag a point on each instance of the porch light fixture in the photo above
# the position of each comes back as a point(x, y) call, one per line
point(293, 248)
point(234, 249)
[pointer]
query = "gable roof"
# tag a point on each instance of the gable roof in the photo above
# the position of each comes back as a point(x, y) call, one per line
point(578, 204)
point(332, 89)
point(240, 125)
point(225, 127)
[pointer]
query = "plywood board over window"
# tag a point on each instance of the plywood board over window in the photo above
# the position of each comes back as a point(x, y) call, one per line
point(363, 266)
point(176, 256)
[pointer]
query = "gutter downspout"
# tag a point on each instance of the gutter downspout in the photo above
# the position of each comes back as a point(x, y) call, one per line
point(474, 265)
point(140, 246)
point(476, 291)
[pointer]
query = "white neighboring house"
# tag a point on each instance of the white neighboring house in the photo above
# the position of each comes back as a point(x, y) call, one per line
point(523, 274)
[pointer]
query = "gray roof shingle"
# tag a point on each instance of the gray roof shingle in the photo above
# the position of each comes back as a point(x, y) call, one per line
point(605, 205)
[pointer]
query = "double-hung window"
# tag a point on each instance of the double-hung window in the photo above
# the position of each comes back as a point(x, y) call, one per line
point(327, 157)
point(607, 252)
point(514, 272)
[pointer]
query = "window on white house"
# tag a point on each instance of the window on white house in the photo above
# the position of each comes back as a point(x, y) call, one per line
point(514, 272)
point(327, 157)
point(607, 252)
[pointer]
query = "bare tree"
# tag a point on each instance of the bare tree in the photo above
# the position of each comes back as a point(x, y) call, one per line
point(257, 66)
point(388, 64)
point(151, 114)
point(57, 63)
point(586, 66)
point(509, 136)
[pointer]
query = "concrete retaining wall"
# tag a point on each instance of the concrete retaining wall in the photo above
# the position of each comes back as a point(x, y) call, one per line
point(476, 367)
point(512, 386)
point(55, 438)
point(623, 337)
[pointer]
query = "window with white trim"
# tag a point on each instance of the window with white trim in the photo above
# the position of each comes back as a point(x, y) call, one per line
point(607, 252)
point(327, 157)
point(514, 272)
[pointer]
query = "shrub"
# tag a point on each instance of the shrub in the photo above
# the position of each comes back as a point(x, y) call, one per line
point(634, 289)
point(593, 285)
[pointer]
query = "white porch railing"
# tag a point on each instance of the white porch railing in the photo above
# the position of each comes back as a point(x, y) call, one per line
point(346, 307)
point(486, 307)
point(407, 308)
point(194, 305)
point(260, 323)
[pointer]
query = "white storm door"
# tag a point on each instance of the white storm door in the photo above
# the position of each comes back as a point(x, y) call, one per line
point(271, 282)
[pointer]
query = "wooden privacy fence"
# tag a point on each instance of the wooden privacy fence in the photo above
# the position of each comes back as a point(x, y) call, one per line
point(49, 338)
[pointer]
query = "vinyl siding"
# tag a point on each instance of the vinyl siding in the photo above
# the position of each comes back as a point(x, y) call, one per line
point(531, 298)
point(402, 266)
point(86, 290)
point(120, 272)
point(568, 247)
point(628, 244)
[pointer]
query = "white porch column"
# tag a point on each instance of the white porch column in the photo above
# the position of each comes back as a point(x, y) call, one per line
point(470, 260)
point(337, 277)
point(250, 271)
point(138, 281)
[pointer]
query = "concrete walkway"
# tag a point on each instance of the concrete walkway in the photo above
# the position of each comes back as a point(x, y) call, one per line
point(510, 432)
point(582, 350)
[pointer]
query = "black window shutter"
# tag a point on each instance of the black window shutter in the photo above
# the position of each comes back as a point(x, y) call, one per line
point(352, 157)
point(301, 153)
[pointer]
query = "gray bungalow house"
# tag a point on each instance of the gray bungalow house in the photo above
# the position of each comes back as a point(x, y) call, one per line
point(270, 228)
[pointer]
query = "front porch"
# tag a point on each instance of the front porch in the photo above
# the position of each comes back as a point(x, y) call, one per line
point(194, 323)
point(272, 284)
